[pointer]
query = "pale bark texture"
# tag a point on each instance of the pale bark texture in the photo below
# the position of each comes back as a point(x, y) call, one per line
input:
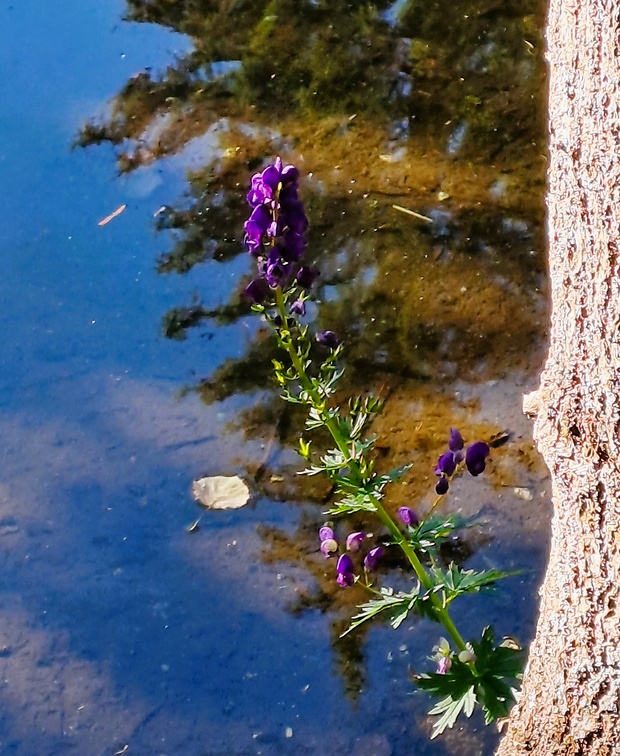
point(571, 690)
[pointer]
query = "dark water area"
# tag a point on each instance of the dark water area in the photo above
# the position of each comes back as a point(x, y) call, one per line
point(131, 365)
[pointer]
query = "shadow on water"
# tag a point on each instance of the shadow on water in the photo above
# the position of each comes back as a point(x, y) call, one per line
point(432, 106)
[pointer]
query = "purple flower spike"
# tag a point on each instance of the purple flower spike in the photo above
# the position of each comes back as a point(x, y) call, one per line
point(455, 443)
point(408, 516)
point(442, 486)
point(446, 464)
point(355, 540)
point(475, 457)
point(372, 558)
point(257, 290)
point(326, 533)
point(328, 339)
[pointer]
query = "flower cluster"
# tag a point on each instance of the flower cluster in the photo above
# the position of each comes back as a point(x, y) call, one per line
point(345, 570)
point(475, 460)
point(444, 656)
point(275, 233)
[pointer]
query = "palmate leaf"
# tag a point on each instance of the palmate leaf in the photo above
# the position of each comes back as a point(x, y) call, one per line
point(454, 581)
point(450, 709)
point(358, 502)
point(394, 606)
point(487, 681)
point(391, 477)
point(431, 532)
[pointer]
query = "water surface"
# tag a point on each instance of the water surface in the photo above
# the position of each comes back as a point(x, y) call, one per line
point(121, 629)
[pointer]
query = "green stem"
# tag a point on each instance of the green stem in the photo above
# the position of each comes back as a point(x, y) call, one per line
point(319, 404)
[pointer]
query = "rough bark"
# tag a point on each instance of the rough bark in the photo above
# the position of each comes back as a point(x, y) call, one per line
point(571, 690)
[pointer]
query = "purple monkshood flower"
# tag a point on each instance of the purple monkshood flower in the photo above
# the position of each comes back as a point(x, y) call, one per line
point(446, 464)
point(344, 568)
point(408, 516)
point(456, 442)
point(372, 558)
point(298, 307)
point(475, 457)
point(329, 545)
point(257, 290)
point(443, 484)
point(328, 339)
point(306, 276)
point(326, 532)
point(355, 540)
point(265, 185)
point(256, 227)
point(274, 232)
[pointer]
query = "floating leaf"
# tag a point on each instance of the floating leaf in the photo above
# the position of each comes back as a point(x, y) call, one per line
point(221, 492)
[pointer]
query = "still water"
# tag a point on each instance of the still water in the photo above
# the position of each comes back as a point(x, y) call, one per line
point(130, 364)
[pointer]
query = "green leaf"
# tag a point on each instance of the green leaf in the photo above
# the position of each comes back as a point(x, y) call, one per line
point(392, 476)
point(485, 680)
point(455, 581)
point(431, 532)
point(450, 709)
point(304, 448)
point(358, 502)
point(395, 605)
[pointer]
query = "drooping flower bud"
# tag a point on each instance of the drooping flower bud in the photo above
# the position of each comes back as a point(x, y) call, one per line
point(329, 547)
point(355, 540)
point(328, 339)
point(344, 568)
point(443, 484)
point(475, 457)
point(408, 517)
point(326, 532)
point(372, 558)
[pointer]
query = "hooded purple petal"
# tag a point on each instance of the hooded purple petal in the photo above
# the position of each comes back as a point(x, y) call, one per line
point(257, 290)
point(355, 540)
point(344, 564)
point(306, 276)
point(326, 532)
point(456, 442)
point(372, 558)
point(475, 457)
point(345, 579)
point(298, 307)
point(327, 338)
point(446, 464)
point(408, 516)
point(257, 225)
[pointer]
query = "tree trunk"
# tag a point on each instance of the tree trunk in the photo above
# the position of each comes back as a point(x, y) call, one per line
point(571, 689)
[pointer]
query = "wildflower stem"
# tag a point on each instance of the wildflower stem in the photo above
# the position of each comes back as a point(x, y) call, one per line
point(319, 404)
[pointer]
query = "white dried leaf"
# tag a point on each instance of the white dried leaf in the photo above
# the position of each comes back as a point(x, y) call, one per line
point(221, 492)
point(524, 493)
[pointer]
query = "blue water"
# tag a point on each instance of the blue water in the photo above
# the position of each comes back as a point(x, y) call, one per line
point(118, 629)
